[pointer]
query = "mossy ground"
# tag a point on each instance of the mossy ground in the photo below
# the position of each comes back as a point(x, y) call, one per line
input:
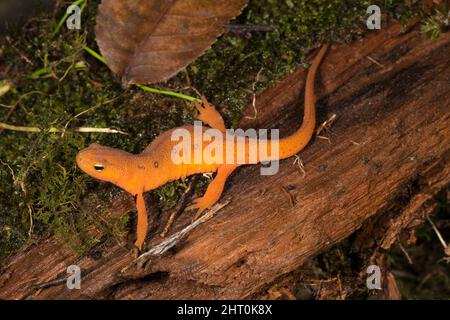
point(57, 84)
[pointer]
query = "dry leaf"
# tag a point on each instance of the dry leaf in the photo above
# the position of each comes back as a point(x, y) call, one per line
point(148, 41)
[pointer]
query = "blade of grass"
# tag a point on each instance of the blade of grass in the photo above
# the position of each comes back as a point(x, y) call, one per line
point(95, 54)
point(102, 60)
point(6, 126)
point(143, 87)
point(36, 74)
point(167, 93)
point(66, 15)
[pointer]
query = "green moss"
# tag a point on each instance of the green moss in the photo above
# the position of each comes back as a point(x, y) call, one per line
point(228, 72)
point(440, 19)
point(57, 84)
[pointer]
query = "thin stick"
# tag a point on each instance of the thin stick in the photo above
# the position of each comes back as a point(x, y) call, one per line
point(6, 126)
point(436, 230)
point(175, 238)
point(22, 55)
point(87, 110)
point(375, 61)
point(30, 214)
point(300, 164)
point(10, 169)
point(183, 204)
point(255, 115)
point(326, 125)
point(291, 198)
point(13, 106)
point(30, 211)
point(405, 253)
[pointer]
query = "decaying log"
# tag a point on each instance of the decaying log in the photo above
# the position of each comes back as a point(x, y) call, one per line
point(387, 155)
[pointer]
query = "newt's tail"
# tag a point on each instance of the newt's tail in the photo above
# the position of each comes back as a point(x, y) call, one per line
point(291, 145)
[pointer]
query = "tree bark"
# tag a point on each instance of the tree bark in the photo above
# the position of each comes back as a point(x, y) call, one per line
point(387, 155)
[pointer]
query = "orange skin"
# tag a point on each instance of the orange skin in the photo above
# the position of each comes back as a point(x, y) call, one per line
point(152, 168)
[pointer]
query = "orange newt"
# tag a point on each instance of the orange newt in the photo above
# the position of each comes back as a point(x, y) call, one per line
point(154, 167)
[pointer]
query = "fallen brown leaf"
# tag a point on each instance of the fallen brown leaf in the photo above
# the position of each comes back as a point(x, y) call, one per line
point(151, 41)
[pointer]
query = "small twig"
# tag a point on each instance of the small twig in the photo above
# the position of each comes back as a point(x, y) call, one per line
point(30, 214)
point(424, 280)
point(300, 164)
point(254, 96)
point(375, 61)
point(175, 238)
point(188, 78)
point(195, 90)
point(66, 72)
point(22, 55)
point(441, 239)
point(13, 106)
point(183, 203)
point(6, 126)
point(326, 125)
point(405, 253)
point(10, 169)
point(291, 198)
point(87, 110)
point(30, 210)
point(96, 130)
point(339, 282)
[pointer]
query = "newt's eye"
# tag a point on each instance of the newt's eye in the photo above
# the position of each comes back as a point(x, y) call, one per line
point(99, 167)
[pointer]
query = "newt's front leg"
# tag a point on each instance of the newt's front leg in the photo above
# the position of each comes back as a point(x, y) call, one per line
point(213, 191)
point(142, 224)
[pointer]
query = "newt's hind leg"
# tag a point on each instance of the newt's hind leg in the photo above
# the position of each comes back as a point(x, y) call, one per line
point(214, 190)
point(209, 115)
point(142, 224)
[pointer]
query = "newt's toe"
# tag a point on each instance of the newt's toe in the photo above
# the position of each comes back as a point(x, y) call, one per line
point(136, 252)
point(199, 205)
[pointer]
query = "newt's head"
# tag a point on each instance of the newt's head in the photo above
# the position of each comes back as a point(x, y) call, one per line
point(107, 164)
